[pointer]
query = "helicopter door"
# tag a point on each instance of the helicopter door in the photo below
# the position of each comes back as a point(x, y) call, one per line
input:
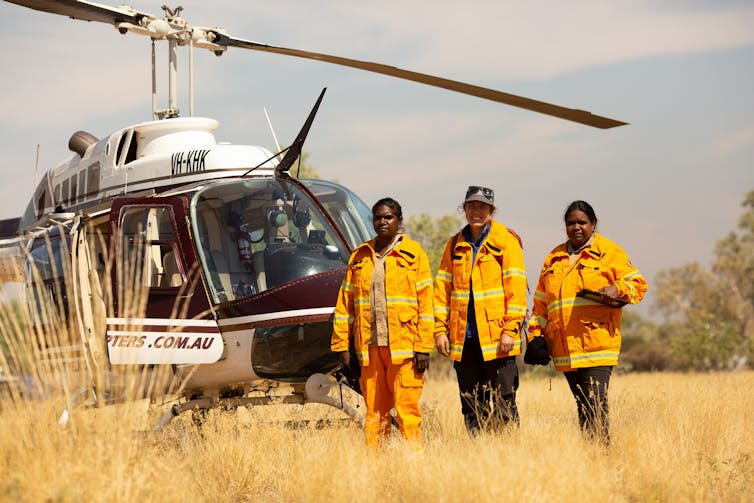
point(87, 249)
point(158, 296)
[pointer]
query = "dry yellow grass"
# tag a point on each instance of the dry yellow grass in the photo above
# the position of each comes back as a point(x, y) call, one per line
point(676, 437)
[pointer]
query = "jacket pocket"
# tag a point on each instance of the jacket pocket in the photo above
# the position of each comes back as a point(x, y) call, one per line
point(495, 320)
point(361, 280)
point(598, 332)
point(410, 378)
point(407, 273)
point(593, 274)
point(491, 271)
point(552, 279)
point(409, 319)
point(495, 312)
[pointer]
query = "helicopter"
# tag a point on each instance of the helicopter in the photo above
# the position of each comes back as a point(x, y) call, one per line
point(238, 263)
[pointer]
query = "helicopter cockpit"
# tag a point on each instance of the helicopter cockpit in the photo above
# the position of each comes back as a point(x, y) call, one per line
point(256, 234)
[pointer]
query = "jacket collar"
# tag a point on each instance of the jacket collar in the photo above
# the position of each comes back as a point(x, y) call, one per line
point(495, 240)
point(405, 246)
point(594, 249)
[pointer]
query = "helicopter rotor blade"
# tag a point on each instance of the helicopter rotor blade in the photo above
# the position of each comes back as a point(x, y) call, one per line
point(86, 11)
point(571, 114)
point(217, 40)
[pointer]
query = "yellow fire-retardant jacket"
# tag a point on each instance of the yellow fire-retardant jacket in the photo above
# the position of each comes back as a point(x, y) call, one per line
point(581, 332)
point(498, 279)
point(408, 289)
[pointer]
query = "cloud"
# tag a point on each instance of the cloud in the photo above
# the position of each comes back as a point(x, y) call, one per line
point(76, 79)
point(733, 143)
point(526, 40)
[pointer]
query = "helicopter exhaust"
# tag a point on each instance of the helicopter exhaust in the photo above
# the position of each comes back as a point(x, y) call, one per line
point(80, 141)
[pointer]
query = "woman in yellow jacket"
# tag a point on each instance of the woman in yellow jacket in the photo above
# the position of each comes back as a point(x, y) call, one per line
point(480, 305)
point(583, 333)
point(385, 305)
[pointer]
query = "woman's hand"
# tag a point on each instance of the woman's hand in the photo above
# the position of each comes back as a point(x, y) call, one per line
point(610, 291)
point(442, 344)
point(345, 359)
point(506, 344)
point(421, 362)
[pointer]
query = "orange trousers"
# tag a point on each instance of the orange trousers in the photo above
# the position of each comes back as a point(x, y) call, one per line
point(385, 385)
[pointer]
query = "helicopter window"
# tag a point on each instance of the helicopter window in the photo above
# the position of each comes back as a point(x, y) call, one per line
point(82, 186)
point(92, 179)
point(353, 217)
point(46, 272)
point(65, 196)
point(96, 235)
point(149, 248)
point(126, 151)
point(119, 150)
point(131, 154)
point(74, 189)
point(42, 200)
point(256, 234)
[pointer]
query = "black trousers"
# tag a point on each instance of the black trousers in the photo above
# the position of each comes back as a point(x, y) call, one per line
point(589, 387)
point(488, 389)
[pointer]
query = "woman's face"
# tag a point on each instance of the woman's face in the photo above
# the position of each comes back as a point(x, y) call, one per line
point(478, 214)
point(578, 228)
point(386, 222)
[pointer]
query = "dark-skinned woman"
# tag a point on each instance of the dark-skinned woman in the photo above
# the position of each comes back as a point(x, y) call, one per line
point(385, 305)
point(583, 333)
point(480, 305)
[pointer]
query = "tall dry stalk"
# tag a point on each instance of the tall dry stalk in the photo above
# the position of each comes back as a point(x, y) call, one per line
point(675, 437)
point(670, 443)
point(50, 352)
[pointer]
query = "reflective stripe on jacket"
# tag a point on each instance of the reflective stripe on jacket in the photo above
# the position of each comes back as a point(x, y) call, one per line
point(581, 332)
point(498, 279)
point(408, 289)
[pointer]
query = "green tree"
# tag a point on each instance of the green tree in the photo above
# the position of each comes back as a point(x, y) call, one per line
point(641, 348)
point(734, 265)
point(710, 313)
point(432, 234)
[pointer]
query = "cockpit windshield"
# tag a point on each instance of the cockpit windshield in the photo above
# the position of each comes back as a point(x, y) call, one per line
point(255, 234)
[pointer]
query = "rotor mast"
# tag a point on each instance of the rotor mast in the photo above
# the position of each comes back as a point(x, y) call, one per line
point(174, 29)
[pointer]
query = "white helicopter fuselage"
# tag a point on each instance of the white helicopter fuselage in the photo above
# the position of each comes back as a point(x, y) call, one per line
point(240, 265)
point(147, 156)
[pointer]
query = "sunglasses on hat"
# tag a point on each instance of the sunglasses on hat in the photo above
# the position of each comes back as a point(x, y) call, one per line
point(475, 190)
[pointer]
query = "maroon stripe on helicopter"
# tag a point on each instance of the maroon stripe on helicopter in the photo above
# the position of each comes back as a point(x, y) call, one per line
point(310, 292)
point(277, 322)
point(135, 327)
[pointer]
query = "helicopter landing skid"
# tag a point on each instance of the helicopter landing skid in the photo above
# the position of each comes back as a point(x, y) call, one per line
point(316, 391)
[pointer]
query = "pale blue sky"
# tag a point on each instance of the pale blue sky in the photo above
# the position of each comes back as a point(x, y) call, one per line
point(666, 187)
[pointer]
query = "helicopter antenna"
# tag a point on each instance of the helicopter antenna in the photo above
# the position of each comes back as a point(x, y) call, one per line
point(191, 77)
point(294, 151)
point(272, 130)
point(36, 172)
